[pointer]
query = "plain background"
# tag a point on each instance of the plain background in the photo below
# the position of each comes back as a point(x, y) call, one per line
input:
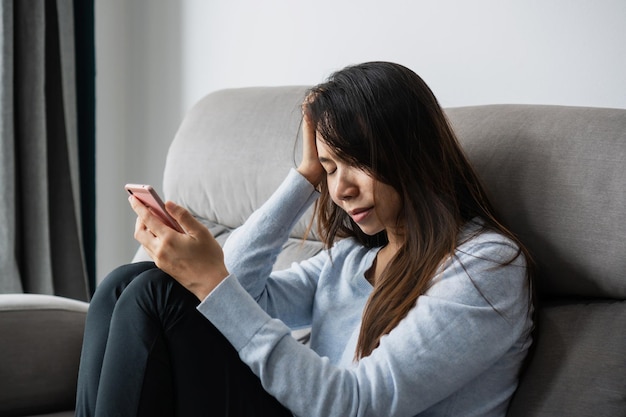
point(156, 58)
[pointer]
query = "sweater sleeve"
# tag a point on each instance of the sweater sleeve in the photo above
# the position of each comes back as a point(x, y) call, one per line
point(473, 316)
point(251, 251)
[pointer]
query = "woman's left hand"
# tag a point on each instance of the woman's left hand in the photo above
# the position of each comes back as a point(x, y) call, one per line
point(194, 258)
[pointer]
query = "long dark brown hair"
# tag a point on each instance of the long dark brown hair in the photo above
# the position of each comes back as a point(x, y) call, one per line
point(382, 117)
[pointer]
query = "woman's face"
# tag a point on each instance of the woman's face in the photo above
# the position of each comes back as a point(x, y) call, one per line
point(374, 206)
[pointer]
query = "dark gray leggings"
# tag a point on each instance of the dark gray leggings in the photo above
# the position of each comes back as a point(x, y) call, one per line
point(147, 351)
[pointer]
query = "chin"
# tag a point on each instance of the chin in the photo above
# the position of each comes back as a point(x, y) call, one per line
point(370, 231)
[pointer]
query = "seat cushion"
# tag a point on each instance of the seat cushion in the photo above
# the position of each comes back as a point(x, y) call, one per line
point(578, 365)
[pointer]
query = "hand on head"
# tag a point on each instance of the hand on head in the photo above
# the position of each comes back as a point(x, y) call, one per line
point(310, 166)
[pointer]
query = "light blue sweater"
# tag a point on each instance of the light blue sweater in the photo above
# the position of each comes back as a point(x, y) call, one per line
point(453, 355)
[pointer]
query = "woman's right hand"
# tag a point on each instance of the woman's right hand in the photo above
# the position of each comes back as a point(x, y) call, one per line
point(193, 258)
point(310, 167)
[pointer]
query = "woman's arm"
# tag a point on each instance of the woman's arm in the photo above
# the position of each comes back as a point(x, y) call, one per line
point(197, 261)
point(251, 251)
point(455, 333)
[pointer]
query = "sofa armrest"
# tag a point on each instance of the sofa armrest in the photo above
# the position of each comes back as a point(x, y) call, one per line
point(40, 352)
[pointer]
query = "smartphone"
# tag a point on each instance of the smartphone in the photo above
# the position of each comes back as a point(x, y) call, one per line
point(149, 197)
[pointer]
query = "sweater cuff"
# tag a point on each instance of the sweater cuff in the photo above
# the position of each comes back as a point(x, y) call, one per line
point(233, 312)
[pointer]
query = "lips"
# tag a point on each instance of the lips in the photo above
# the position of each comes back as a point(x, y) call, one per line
point(358, 215)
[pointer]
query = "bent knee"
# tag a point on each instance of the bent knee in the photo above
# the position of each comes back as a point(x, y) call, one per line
point(119, 278)
point(154, 291)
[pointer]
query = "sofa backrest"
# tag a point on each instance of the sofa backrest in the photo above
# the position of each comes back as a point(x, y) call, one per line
point(556, 174)
point(231, 152)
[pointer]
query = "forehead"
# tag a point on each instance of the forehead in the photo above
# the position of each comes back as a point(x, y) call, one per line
point(323, 149)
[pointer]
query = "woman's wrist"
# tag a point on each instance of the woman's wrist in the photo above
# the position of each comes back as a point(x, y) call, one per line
point(312, 175)
point(203, 287)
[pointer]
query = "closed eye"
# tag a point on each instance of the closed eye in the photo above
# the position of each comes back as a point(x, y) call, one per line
point(328, 165)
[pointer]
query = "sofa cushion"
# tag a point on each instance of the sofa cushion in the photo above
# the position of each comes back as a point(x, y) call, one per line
point(231, 152)
point(578, 365)
point(557, 175)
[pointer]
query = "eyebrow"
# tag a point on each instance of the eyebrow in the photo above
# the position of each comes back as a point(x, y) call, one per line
point(324, 160)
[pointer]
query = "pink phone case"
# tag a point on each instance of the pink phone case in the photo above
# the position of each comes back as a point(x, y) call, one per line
point(147, 195)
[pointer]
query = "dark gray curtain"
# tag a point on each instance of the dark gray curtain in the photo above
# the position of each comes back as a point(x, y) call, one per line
point(41, 240)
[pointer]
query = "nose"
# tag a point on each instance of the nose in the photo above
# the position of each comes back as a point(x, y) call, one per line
point(344, 187)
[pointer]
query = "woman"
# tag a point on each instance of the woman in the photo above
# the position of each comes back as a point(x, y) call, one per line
point(420, 305)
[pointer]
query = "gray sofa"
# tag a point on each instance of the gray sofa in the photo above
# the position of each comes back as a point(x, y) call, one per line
point(557, 175)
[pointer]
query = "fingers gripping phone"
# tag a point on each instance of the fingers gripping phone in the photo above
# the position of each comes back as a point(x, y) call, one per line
point(149, 197)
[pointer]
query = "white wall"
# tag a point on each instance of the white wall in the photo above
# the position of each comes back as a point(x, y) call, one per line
point(469, 52)
point(138, 108)
point(156, 58)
